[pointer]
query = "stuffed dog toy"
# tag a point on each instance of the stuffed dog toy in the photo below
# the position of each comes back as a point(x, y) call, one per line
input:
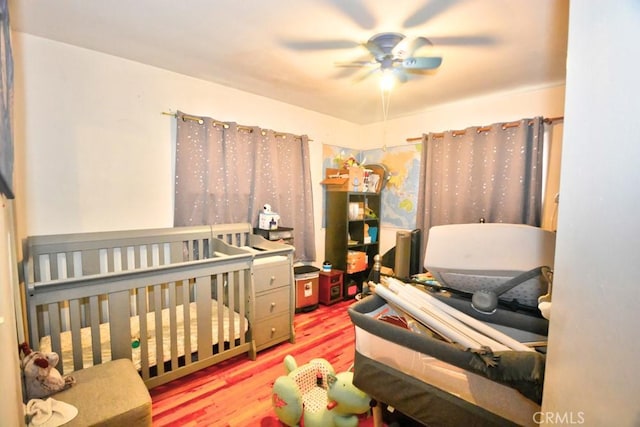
point(41, 377)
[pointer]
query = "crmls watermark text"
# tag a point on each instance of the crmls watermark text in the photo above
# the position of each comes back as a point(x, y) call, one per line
point(561, 418)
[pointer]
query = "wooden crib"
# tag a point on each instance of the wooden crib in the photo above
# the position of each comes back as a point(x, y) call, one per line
point(172, 300)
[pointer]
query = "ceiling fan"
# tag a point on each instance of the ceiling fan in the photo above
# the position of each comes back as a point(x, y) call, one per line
point(390, 59)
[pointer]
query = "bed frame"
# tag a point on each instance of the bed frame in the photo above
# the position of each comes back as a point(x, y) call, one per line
point(76, 283)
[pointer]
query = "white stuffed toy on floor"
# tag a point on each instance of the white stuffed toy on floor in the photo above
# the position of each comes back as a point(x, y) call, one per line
point(41, 378)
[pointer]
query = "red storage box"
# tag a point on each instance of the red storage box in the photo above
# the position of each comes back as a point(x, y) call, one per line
point(330, 286)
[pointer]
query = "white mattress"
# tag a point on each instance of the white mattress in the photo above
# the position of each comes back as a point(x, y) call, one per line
point(475, 389)
point(67, 354)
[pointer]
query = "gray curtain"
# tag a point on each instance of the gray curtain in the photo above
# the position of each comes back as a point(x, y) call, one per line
point(491, 174)
point(226, 173)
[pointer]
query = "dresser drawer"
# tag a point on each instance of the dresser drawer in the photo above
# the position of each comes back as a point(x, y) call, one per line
point(273, 302)
point(272, 330)
point(272, 275)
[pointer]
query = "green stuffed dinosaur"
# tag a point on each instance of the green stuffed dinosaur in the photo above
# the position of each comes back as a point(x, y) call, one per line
point(315, 394)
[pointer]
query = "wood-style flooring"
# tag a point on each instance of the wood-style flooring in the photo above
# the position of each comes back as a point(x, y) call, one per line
point(237, 392)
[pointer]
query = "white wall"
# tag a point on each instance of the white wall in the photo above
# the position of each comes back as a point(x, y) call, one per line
point(593, 372)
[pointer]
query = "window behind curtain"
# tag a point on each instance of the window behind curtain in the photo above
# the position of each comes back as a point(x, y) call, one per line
point(492, 173)
point(226, 173)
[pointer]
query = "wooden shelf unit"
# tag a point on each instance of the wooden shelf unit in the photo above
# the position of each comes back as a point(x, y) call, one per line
point(345, 231)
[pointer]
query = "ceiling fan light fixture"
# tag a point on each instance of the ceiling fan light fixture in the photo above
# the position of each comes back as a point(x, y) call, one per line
point(387, 80)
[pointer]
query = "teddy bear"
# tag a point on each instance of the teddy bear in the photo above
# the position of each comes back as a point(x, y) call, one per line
point(41, 378)
point(315, 394)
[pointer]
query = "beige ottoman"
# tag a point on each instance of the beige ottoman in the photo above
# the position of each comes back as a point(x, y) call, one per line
point(110, 394)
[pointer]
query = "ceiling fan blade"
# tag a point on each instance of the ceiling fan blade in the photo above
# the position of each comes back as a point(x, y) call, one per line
point(422, 63)
point(428, 11)
point(416, 44)
point(356, 64)
point(464, 41)
point(320, 44)
point(357, 12)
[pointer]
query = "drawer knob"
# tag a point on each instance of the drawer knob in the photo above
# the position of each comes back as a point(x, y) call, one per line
point(273, 330)
point(273, 304)
point(273, 278)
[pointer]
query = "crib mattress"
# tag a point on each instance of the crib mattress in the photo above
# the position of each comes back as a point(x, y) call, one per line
point(428, 379)
point(66, 356)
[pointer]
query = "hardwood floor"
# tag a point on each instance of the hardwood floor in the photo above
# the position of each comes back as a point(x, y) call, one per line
point(237, 392)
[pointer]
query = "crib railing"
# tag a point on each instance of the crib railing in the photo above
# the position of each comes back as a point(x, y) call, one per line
point(75, 284)
point(63, 256)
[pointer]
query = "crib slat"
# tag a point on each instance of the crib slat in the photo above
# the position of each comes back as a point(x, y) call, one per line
point(111, 260)
point(142, 337)
point(207, 251)
point(54, 326)
point(123, 257)
point(192, 250)
point(70, 269)
point(240, 303)
point(157, 307)
point(203, 304)
point(164, 253)
point(74, 320)
point(90, 262)
point(136, 258)
point(34, 337)
point(120, 329)
point(150, 257)
point(94, 322)
point(220, 282)
point(200, 250)
point(53, 267)
point(186, 321)
point(231, 303)
point(173, 332)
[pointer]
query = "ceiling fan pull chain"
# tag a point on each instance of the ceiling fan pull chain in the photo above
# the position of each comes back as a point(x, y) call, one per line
point(386, 100)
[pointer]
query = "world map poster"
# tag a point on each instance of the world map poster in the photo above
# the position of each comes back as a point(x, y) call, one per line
point(399, 196)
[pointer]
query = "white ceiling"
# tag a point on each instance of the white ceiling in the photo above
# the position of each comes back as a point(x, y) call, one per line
point(287, 49)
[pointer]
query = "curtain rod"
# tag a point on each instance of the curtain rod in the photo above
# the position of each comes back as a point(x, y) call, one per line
point(249, 129)
point(549, 120)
